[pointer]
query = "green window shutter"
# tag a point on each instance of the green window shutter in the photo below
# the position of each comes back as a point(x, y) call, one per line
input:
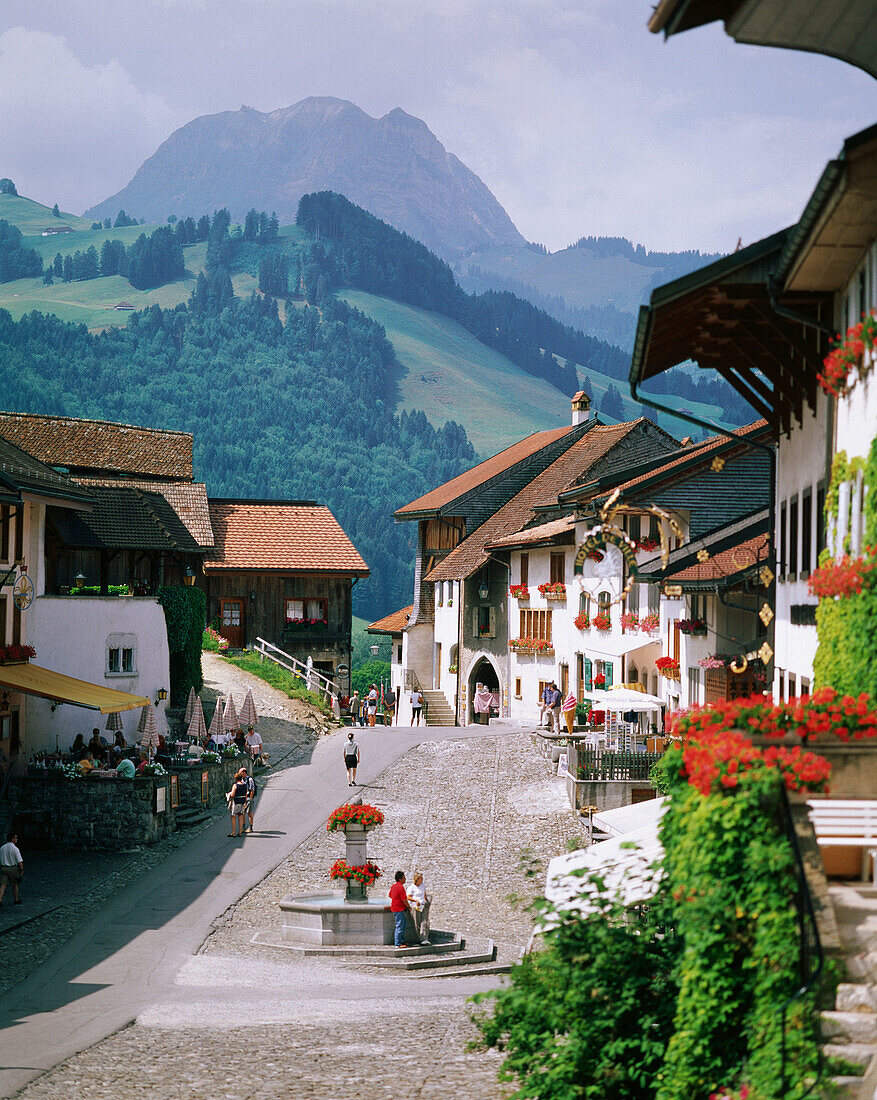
point(607, 672)
point(587, 671)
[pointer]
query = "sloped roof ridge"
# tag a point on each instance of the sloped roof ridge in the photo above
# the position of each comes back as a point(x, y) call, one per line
point(92, 420)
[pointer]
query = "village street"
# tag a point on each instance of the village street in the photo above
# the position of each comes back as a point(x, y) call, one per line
point(211, 1014)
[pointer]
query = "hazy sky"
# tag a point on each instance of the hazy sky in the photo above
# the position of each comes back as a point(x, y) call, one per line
point(578, 119)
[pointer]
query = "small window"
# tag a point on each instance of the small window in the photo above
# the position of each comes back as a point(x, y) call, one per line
point(781, 545)
point(584, 603)
point(120, 655)
point(654, 597)
point(604, 601)
point(517, 687)
point(806, 533)
point(439, 594)
point(821, 541)
point(525, 569)
point(558, 568)
point(793, 538)
point(295, 609)
point(634, 526)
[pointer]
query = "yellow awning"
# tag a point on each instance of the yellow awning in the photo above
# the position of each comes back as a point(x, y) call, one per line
point(33, 680)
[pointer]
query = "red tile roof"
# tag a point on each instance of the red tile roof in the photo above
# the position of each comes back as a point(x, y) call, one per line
point(726, 563)
point(288, 536)
point(545, 532)
point(581, 458)
point(187, 498)
point(392, 624)
point(484, 471)
point(100, 446)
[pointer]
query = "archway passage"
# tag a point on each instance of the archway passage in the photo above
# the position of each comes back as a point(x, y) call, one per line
point(484, 673)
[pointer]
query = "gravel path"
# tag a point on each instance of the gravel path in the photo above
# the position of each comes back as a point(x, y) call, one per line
point(251, 1022)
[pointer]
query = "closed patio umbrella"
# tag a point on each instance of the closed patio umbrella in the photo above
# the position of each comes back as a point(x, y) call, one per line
point(249, 717)
point(149, 740)
point(197, 726)
point(190, 705)
point(114, 722)
point(216, 731)
point(230, 721)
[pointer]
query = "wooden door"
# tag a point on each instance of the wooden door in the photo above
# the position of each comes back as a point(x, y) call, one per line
point(564, 680)
point(438, 664)
point(231, 621)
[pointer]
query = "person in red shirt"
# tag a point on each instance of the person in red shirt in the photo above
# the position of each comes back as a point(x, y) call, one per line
point(399, 906)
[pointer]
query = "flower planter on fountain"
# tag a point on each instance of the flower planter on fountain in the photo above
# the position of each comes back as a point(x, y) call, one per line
point(352, 918)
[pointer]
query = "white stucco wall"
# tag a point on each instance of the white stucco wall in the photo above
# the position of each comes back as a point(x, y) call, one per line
point(71, 635)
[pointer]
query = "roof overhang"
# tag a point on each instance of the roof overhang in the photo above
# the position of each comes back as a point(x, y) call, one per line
point(724, 318)
point(43, 682)
point(724, 539)
point(845, 29)
point(839, 222)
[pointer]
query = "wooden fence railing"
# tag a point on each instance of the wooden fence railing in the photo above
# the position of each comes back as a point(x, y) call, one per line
point(315, 681)
point(599, 765)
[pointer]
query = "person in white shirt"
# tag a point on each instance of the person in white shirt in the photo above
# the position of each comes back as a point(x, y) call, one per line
point(416, 707)
point(11, 867)
point(254, 743)
point(420, 904)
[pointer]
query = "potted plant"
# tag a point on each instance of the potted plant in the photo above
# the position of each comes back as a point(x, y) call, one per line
point(363, 817)
point(365, 875)
point(668, 667)
point(599, 681)
point(692, 626)
point(554, 591)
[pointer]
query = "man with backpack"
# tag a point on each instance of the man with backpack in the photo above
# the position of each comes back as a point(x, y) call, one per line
point(252, 791)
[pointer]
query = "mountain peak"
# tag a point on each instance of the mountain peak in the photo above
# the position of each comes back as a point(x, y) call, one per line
point(393, 166)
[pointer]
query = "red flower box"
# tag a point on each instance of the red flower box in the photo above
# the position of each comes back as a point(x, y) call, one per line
point(366, 816)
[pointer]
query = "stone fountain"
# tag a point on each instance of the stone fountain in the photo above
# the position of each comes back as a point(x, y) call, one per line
point(340, 920)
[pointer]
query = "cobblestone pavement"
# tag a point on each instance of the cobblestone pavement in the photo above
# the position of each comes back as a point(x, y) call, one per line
point(251, 1022)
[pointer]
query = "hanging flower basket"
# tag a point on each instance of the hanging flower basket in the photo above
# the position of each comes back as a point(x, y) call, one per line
point(555, 591)
point(16, 654)
point(519, 591)
point(692, 626)
point(668, 668)
point(848, 354)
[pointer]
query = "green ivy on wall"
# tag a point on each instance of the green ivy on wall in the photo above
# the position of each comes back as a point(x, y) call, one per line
point(185, 610)
point(847, 655)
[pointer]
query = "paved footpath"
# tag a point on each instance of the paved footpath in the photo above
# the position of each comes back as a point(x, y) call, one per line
point(138, 958)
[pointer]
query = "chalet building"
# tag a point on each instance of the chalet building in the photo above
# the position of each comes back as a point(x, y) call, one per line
point(283, 571)
point(464, 638)
point(821, 278)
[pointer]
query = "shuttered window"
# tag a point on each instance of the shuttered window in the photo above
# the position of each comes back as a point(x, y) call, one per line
point(558, 568)
point(535, 624)
point(525, 569)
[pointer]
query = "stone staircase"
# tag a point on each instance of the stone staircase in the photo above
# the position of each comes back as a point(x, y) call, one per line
point(439, 712)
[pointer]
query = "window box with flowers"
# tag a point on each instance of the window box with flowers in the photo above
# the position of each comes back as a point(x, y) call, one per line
point(629, 620)
point(713, 661)
point(599, 681)
point(582, 621)
point(648, 624)
point(601, 621)
point(692, 626)
point(306, 626)
point(849, 354)
point(16, 654)
point(528, 646)
point(554, 591)
point(668, 668)
point(519, 592)
point(648, 543)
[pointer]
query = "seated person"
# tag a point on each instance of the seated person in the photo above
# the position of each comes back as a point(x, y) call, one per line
point(162, 744)
point(96, 745)
point(77, 749)
point(144, 760)
point(240, 740)
point(119, 741)
point(86, 764)
point(125, 768)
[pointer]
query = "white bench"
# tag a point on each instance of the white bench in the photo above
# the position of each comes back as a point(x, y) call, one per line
point(847, 823)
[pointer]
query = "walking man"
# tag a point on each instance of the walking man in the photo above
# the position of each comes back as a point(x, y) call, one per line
point(237, 801)
point(399, 907)
point(351, 759)
point(416, 707)
point(252, 790)
point(11, 867)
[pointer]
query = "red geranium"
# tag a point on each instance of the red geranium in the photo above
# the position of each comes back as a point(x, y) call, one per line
point(367, 816)
point(366, 874)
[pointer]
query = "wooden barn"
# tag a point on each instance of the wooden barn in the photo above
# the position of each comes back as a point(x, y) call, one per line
point(283, 571)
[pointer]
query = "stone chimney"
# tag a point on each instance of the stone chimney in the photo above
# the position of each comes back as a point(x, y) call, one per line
point(581, 407)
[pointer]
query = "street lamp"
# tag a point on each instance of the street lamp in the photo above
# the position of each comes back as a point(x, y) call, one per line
point(79, 580)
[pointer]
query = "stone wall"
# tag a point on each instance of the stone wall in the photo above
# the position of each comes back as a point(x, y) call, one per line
point(91, 813)
point(112, 813)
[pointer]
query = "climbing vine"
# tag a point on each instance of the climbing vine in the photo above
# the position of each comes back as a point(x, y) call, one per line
point(846, 618)
point(185, 610)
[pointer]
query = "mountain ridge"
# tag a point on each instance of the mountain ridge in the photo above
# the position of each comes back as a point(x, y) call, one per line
point(393, 166)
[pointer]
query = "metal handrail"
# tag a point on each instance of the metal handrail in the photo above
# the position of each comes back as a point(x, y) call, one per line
point(811, 958)
point(299, 668)
point(411, 681)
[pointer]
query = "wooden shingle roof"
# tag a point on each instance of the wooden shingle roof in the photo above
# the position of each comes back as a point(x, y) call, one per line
point(291, 536)
point(393, 623)
point(123, 519)
point(187, 498)
point(471, 479)
point(99, 446)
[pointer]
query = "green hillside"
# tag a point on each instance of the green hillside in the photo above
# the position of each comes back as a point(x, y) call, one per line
point(451, 376)
point(32, 217)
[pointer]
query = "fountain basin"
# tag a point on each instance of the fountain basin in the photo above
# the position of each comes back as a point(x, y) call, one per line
point(332, 921)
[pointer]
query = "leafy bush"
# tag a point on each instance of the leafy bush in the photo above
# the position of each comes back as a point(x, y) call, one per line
point(184, 608)
point(369, 673)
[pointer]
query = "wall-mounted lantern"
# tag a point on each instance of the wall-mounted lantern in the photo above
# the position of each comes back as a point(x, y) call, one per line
point(160, 696)
point(189, 576)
